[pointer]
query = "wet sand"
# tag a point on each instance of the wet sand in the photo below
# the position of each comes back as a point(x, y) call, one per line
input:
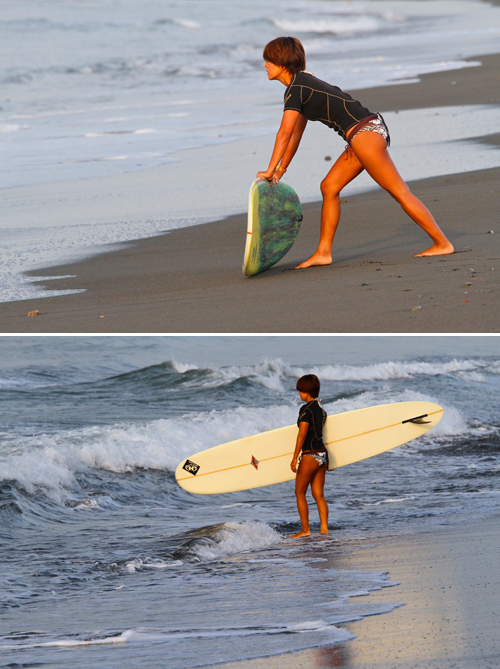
point(190, 280)
point(450, 585)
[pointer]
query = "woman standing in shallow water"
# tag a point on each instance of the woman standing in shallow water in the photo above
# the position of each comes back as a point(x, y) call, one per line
point(309, 98)
point(313, 463)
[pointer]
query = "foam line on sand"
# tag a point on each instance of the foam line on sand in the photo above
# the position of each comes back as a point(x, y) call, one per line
point(449, 580)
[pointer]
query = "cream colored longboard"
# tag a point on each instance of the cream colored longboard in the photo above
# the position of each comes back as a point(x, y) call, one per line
point(264, 459)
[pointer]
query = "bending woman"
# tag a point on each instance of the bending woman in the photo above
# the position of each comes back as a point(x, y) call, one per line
point(367, 137)
point(313, 462)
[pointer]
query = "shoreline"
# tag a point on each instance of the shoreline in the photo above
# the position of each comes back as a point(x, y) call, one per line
point(149, 286)
point(189, 279)
point(450, 584)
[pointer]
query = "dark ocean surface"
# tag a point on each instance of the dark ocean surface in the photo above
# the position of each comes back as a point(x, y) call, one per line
point(107, 562)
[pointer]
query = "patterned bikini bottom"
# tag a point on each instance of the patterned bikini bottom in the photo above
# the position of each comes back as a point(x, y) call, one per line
point(375, 125)
point(321, 457)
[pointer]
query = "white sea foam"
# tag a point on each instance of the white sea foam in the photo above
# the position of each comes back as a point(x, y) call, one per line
point(473, 377)
point(272, 373)
point(276, 374)
point(390, 370)
point(72, 643)
point(9, 127)
point(183, 367)
point(50, 462)
point(139, 564)
point(493, 367)
point(186, 23)
point(236, 538)
point(355, 24)
point(146, 635)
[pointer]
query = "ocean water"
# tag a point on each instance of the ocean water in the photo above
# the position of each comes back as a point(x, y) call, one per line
point(98, 88)
point(107, 562)
point(95, 88)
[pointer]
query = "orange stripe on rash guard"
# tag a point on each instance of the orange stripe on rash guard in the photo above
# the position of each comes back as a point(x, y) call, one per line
point(335, 441)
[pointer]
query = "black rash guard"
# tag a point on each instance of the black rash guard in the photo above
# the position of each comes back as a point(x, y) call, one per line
point(319, 101)
point(313, 414)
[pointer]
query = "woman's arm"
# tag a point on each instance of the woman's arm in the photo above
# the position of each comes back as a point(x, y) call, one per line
point(287, 142)
point(301, 437)
point(293, 144)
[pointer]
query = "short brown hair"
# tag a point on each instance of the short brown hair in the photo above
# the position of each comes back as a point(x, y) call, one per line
point(286, 52)
point(309, 384)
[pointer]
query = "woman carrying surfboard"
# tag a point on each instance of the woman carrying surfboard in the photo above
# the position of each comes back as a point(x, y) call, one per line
point(367, 136)
point(313, 462)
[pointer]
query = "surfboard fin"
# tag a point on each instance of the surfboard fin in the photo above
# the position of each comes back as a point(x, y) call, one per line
point(418, 420)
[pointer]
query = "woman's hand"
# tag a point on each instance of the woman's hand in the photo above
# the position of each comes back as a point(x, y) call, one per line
point(265, 175)
point(278, 173)
point(293, 465)
point(272, 177)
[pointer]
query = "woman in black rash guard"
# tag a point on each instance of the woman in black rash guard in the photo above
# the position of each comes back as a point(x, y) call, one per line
point(367, 137)
point(311, 454)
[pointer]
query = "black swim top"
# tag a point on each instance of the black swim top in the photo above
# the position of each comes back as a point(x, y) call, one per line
point(313, 414)
point(319, 101)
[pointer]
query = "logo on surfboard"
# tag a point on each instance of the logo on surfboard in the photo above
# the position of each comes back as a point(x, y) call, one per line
point(254, 462)
point(191, 467)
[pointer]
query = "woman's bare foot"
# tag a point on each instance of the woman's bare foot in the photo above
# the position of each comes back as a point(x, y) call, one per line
point(302, 533)
point(323, 531)
point(437, 250)
point(314, 260)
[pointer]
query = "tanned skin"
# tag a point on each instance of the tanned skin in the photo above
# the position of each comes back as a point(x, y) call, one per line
point(368, 151)
point(309, 472)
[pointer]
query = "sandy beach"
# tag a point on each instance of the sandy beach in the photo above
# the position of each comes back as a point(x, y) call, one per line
point(450, 586)
point(190, 280)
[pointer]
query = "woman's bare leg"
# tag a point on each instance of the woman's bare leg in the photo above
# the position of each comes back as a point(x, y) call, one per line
point(317, 489)
point(308, 468)
point(371, 151)
point(345, 169)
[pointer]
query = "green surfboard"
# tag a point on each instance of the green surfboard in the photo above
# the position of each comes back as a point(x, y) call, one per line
point(274, 216)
